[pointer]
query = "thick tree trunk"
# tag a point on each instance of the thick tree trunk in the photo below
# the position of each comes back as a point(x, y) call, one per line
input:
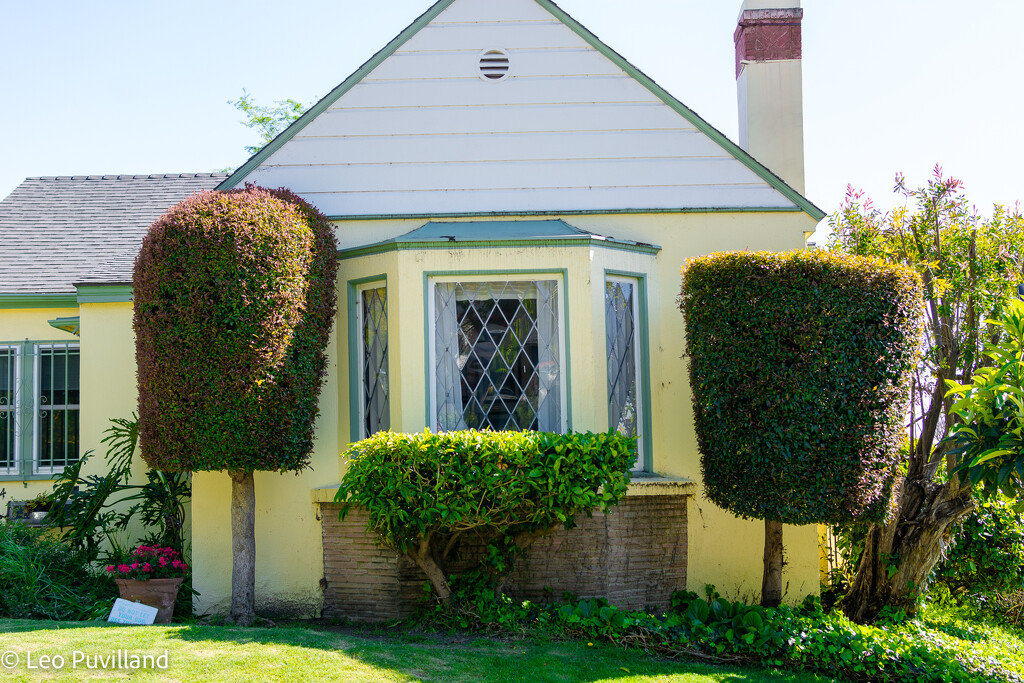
point(243, 547)
point(433, 567)
point(771, 582)
point(899, 556)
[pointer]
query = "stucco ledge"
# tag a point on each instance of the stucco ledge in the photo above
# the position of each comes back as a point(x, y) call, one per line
point(640, 486)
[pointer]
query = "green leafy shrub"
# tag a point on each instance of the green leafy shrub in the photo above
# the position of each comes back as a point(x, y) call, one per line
point(988, 555)
point(43, 578)
point(799, 367)
point(989, 438)
point(234, 303)
point(93, 510)
point(424, 493)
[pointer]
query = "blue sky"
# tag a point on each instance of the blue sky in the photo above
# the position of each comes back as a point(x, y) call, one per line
point(131, 87)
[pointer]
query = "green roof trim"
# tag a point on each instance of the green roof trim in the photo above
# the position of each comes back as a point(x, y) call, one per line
point(496, 234)
point(330, 98)
point(800, 202)
point(728, 145)
point(563, 212)
point(72, 324)
point(61, 300)
point(104, 294)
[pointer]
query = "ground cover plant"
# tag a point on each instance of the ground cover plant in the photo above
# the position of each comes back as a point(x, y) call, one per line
point(300, 653)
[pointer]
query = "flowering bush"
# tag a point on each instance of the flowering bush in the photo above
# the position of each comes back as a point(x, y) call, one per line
point(149, 562)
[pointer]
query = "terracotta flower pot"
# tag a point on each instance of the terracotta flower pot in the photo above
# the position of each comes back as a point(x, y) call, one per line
point(159, 593)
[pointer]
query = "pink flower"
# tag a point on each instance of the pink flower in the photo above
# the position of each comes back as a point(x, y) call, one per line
point(163, 561)
point(147, 567)
point(111, 568)
point(135, 565)
point(123, 568)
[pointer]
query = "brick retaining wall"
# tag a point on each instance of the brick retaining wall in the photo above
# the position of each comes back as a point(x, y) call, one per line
point(635, 557)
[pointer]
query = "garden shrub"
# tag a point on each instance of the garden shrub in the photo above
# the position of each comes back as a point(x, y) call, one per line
point(988, 554)
point(799, 368)
point(425, 492)
point(234, 303)
point(43, 578)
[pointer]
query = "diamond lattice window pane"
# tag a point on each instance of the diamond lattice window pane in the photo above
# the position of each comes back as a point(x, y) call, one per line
point(620, 325)
point(374, 329)
point(496, 355)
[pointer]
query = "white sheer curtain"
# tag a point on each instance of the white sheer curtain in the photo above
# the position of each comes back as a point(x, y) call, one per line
point(549, 414)
point(448, 372)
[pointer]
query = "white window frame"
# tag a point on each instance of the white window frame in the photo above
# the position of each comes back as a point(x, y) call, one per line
point(37, 406)
point(640, 464)
point(15, 410)
point(361, 350)
point(474, 277)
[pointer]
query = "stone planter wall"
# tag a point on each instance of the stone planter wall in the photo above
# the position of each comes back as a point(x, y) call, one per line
point(635, 557)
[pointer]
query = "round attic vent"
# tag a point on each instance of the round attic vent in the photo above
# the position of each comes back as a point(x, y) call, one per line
point(493, 65)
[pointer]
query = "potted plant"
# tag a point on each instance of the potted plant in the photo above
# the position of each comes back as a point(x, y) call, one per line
point(151, 575)
point(37, 508)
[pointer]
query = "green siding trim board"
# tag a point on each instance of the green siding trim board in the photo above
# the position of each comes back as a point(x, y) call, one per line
point(62, 300)
point(100, 294)
point(563, 212)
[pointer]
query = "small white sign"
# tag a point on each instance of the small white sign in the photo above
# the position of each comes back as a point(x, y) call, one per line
point(126, 612)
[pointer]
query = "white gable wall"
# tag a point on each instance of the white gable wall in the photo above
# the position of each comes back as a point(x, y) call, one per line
point(567, 131)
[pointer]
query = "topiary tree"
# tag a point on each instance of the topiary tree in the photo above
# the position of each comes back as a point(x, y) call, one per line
point(799, 368)
point(424, 493)
point(234, 303)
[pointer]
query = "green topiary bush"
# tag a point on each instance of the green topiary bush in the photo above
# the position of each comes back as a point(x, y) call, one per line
point(234, 303)
point(799, 367)
point(424, 492)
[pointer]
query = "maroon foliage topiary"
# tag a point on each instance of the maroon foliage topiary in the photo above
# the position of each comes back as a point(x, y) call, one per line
point(234, 303)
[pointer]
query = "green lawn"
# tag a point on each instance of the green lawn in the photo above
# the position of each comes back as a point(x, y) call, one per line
point(300, 653)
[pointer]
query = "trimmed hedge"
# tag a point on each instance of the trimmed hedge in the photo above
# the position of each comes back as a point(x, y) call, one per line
point(234, 303)
point(799, 368)
point(423, 491)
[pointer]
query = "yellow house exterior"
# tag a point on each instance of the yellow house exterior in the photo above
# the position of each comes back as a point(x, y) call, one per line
point(489, 142)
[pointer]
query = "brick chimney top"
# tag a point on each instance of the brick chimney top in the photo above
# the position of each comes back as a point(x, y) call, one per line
point(768, 30)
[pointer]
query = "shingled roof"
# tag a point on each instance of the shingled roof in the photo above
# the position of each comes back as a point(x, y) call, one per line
point(58, 231)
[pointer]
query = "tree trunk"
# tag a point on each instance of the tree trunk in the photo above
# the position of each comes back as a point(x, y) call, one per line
point(771, 582)
point(899, 556)
point(425, 559)
point(243, 548)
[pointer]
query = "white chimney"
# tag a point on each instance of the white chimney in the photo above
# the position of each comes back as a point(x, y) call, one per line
point(769, 85)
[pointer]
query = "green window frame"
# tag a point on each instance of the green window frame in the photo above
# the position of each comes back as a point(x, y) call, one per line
point(40, 389)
